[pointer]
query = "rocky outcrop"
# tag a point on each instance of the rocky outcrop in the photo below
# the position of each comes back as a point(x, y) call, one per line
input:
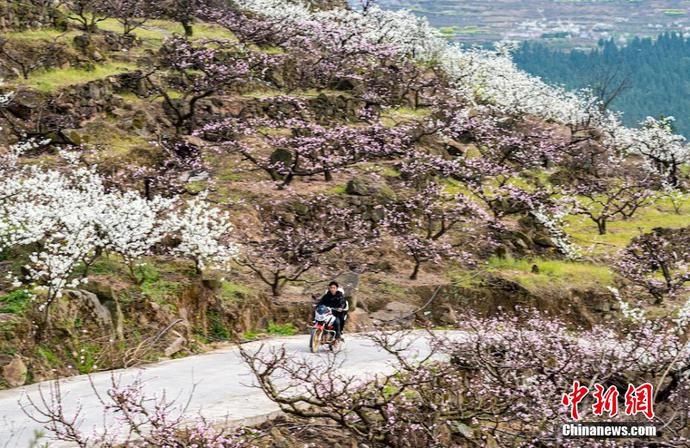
point(176, 346)
point(93, 304)
point(15, 373)
point(395, 312)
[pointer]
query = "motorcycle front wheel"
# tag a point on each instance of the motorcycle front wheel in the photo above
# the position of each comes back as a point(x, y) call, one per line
point(315, 340)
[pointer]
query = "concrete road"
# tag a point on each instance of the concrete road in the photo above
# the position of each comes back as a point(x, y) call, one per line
point(223, 386)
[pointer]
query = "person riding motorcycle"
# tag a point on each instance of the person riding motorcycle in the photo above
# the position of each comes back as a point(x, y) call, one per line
point(335, 299)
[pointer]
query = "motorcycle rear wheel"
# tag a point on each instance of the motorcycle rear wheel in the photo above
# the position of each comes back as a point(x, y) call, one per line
point(315, 340)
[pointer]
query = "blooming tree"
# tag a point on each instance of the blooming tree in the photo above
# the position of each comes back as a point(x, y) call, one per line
point(133, 14)
point(202, 231)
point(309, 148)
point(289, 244)
point(420, 224)
point(88, 13)
point(199, 71)
point(655, 141)
point(67, 219)
point(27, 60)
point(605, 199)
point(658, 261)
point(502, 383)
point(134, 417)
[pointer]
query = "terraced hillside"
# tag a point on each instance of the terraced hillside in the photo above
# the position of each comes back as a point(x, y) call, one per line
point(171, 181)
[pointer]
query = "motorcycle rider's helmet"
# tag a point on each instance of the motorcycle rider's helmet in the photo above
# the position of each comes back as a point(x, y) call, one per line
point(321, 313)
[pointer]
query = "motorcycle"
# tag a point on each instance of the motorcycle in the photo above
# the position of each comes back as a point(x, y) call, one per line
point(322, 332)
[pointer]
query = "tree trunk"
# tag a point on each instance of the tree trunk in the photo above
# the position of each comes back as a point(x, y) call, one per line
point(601, 226)
point(275, 288)
point(188, 30)
point(415, 272)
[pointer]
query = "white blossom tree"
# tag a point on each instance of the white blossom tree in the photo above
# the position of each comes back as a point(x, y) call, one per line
point(66, 219)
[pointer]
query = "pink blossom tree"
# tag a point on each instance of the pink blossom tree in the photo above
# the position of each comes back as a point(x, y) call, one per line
point(421, 223)
point(307, 148)
point(198, 71)
point(659, 262)
point(288, 243)
point(502, 383)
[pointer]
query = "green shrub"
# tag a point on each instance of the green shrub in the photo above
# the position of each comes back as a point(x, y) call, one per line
point(48, 355)
point(154, 286)
point(217, 329)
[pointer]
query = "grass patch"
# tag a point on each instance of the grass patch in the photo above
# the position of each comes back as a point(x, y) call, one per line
point(52, 80)
point(48, 355)
point(584, 233)
point(86, 358)
point(154, 286)
point(281, 329)
point(391, 117)
point(106, 265)
point(251, 335)
point(337, 190)
point(455, 187)
point(551, 273)
point(39, 34)
point(157, 30)
point(232, 292)
point(16, 302)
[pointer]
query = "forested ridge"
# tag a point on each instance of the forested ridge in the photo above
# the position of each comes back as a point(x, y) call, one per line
point(654, 71)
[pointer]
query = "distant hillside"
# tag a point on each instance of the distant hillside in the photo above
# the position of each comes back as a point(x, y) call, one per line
point(564, 23)
point(654, 73)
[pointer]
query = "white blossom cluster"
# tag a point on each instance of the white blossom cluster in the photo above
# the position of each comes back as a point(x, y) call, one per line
point(69, 218)
point(628, 311)
point(654, 139)
point(202, 231)
point(558, 236)
point(482, 77)
point(5, 98)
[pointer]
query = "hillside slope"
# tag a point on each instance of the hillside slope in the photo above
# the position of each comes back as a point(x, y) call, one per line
point(178, 181)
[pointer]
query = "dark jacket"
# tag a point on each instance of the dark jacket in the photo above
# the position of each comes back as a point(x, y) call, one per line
point(336, 300)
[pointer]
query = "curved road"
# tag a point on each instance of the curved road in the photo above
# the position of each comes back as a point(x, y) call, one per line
point(223, 386)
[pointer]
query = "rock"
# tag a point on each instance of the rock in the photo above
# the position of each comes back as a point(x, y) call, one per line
point(90, 300)
point(394, 311)
point(358, 320)
point(447, 315)
point(544, 241)
point(358, 187)
point(454, 148)
point(15, 372)
point(82, 42)
point(213, 284)
point(176, 346)
point(281, 155)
